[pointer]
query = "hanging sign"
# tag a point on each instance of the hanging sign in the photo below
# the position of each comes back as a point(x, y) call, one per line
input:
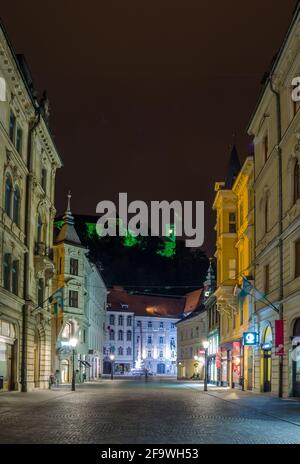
point(279, 338)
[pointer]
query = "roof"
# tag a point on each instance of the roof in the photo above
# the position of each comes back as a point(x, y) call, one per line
point(192, 300)
point(201, 309)
point(68, 232)
point(145, 305)
point(234, 167)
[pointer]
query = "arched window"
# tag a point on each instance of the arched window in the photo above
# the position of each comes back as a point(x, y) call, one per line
point(266, 215)
point(120, 320)
point(129, 335)
point(120, 351)
point(296, 181)
point(120, 335)
point(112, 335)
point(17, 202)
point(8, 195)
point(128, 351)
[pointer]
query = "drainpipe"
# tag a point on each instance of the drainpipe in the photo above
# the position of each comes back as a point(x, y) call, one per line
point(26, 305)
point(280, 218)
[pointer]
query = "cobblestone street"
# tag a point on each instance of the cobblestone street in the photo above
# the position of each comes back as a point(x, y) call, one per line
point(156, 411)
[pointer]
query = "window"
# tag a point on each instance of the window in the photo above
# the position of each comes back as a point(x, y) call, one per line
point(19, 140)
point(44, 179)
point(39, 229)
point(172, 325)
point(16, 211)
point(7, 271)
point(40, 293)
point(265, 148)
point(149, 324)
point(232, 223)
point(297, 258)
point(120, 351)
point(266, 215)
point(74, 267)
point(149, 354)
point(12, 127)
point(112, 334)
point(161, 354)
point(267, 278)
point(192, 333)
point(129, 336)
point(8, 195)
point(161, 325)
point(197, 331)
point(149, 339)
point(139, 324)
point(73, 298)
point(128, 351)
point(161, 340)
point(120, 335)
point(112, 349)
point(232, 269)
point(296, 181)
point(112, 319)
point(129, 321)
point(66, 333)
point(120, 320)
point(15, 277)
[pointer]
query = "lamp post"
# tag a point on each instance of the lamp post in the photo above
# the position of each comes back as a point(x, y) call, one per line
point(73, 343)
point(205, 346)
point(112, 358)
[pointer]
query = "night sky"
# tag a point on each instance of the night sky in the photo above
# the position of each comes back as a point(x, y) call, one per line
point(145, 96)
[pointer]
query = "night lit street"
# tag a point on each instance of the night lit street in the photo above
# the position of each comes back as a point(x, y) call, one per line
point(156, 411)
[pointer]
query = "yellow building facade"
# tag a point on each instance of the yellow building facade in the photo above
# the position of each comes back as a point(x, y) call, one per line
point(234, 206)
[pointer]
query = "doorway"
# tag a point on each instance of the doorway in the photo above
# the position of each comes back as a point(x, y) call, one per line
point(267, 359)
point(65, 371)
point(296, 359)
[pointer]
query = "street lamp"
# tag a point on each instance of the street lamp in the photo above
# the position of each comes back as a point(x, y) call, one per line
point(205, 346)
point(112, 358)
point(73, 343)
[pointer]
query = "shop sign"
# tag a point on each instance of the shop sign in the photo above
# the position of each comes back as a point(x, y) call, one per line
point(250, 338)
point(266, 346)
point(218, 358)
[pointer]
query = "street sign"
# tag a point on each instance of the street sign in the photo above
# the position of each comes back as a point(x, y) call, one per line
point(250, 338)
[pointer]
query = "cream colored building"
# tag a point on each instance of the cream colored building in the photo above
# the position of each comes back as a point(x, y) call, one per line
point(275, 127)
point(191, 333)
point(28, 164)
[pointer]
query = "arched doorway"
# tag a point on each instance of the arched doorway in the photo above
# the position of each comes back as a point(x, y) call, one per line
point(65, 371)
point(296, 358)
point(37, 358)
point(8, 346)
point(161, 368)
point(266, 347)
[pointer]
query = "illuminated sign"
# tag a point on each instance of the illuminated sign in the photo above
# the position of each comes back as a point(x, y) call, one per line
point(250, 338)
point(266, 346)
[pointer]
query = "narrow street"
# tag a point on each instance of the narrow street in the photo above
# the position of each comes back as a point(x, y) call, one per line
point(156, 411)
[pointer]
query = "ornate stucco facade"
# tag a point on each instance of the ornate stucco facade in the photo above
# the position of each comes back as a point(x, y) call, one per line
point(28, 164)
point(275, 127)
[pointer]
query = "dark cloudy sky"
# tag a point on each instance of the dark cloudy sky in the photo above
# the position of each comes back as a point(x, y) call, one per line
point(145, 96)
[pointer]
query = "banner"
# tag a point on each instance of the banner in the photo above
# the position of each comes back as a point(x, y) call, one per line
point(218, 358)
point(279, 338)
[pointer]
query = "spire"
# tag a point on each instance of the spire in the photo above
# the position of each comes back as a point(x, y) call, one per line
point(68, 217)
point(68, 232)
point(210, 281)
point(234, 167)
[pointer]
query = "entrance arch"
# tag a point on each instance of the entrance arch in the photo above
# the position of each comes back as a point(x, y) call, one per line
point(267, 343)
point(161, 368)
point(65, 371)
point(296, 358)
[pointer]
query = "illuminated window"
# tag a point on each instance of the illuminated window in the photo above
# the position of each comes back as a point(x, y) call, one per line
point(66, 333)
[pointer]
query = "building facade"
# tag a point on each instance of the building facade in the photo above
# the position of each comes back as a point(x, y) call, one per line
point(156, 344)
point(78, 308)
point(28, 164)
point(119, 341)
point(234, 206)
point(191, 333)
point(213, 328)
point(275, 127)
